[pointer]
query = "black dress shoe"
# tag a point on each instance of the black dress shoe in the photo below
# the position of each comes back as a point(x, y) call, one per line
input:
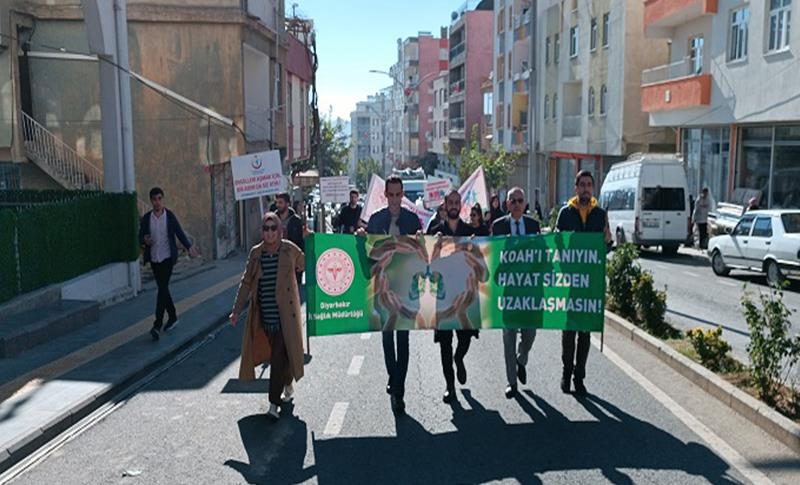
point(565, 385)
point(580, 389)
point(398, 405)
point(449, 395)
point(155, 334)
point(171, 324)
point(511, 392)
point(461, 371)
point(522, 374)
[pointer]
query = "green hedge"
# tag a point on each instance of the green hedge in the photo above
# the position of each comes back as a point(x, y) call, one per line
point(8, 261)
point(66, 235)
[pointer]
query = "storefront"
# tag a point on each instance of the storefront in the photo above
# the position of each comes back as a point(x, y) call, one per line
point(706, 152)
point(770, 162)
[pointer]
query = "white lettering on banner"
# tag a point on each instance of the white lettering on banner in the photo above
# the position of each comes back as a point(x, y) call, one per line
point(578, 256)
point(336, 315)
point(549, 305)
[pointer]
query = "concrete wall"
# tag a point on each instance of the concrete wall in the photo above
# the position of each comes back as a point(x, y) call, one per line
point(430, 64)
point(479, 28)
point(761, 88)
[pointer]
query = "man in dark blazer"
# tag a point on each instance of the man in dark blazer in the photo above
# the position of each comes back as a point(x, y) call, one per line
point(394, 220)
point(157, 232)
point(516, 223)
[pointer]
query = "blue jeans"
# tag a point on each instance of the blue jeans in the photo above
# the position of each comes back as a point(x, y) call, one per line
point(396, 362)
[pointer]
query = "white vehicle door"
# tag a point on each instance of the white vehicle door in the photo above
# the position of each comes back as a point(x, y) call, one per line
point(740, 238)
point(757, 246)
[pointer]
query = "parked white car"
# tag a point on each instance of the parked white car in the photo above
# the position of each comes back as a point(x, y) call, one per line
point(765, 241)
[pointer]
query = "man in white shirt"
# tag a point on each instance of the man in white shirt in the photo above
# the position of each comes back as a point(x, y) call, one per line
point(516, 223)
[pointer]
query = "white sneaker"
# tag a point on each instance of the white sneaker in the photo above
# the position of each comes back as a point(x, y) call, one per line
point(273, 412)
point(288, 393)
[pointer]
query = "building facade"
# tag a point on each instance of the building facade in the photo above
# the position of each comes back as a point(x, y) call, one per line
point(729, 88)
point(439, 116)
point(220, 54)
point(299, 77)
point(590, 57)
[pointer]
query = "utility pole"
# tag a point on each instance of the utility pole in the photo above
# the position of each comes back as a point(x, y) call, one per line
point(107, 28)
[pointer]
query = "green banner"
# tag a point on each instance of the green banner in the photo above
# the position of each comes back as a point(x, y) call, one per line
point(360, 284)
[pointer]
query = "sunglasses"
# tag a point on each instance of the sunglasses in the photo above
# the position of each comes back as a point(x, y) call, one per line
point(474, 215)
point(269, 228)
point(516, 201)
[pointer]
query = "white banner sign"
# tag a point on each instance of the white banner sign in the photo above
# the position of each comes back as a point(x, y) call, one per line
point(257, 175)
point(435, 190)
point(334, 189)
point(474, 191)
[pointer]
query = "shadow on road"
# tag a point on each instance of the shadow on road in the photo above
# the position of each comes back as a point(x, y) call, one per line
point(484, 448)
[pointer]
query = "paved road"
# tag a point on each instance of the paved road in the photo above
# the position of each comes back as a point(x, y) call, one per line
point(698, 297)
point(197, 424)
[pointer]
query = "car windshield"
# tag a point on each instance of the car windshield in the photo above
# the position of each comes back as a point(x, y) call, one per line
point(791, 223)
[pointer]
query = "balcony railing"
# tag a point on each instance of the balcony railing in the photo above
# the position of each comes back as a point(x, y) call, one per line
point(676, 70)
point(571, 125)
point(457, 51)
point(457, 124)
point(457, 87)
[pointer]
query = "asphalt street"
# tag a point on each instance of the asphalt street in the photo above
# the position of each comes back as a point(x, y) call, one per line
point(197, 424)
point(698, 297)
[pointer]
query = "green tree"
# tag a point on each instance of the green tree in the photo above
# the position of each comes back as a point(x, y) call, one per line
point(334, 148)
point(497, 164)
point(364, 171)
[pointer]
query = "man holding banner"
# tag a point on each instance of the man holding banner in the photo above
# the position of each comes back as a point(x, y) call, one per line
point(581, 214)
point(452, 225)
point(394, 220)
point(516, 224)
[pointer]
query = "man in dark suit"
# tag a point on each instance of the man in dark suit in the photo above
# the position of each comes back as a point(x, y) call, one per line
point(157, 232)
point(452, 225)
point(516, 223)
point(394, 220)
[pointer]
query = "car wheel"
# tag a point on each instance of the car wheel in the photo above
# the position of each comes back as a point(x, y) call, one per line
point(670, 249)
point(774, 275)
point(718, 265)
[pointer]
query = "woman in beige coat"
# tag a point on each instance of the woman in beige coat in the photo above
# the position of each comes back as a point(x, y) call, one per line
point(274, 331)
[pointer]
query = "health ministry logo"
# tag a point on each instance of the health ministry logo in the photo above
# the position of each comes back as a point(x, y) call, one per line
point(335, 272)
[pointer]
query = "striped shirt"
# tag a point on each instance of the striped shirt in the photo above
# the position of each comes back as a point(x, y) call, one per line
point(270, 317)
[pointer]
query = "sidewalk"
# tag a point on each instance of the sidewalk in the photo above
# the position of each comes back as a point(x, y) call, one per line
point(51, 387)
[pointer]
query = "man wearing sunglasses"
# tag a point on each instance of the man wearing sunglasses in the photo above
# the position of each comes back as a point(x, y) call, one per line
point(452, 225)
point(516, 223)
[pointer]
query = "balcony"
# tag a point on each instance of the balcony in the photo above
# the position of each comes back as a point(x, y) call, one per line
point(457, 128)
point(458, 54)
point(571, 126)
point(675, 86)
point(457, 88)
point(662, 16)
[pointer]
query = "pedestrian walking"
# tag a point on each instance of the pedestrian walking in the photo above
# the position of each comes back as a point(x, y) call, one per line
point(158, 229)
point(516, 355)
point(273, 331)
point(349, 215)
point(702, 207)
point(453, 226)
point(581, 214)
point(394, 220)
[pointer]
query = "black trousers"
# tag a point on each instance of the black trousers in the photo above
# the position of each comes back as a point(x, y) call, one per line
point(279, 371)
point(702, 228)
point(445, 339)
point(396, 362)
point(574, 365)
point(162, 272)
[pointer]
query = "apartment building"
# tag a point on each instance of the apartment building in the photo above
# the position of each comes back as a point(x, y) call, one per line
point(730, 90)
point(439, 116)
point(590, 58)
point(370, 122)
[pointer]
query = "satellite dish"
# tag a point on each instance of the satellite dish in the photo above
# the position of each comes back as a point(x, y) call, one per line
point(454, 16)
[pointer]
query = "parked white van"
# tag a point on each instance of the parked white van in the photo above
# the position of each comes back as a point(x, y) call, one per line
point(647, 200)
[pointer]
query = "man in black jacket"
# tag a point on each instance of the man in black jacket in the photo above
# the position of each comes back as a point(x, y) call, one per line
point(157, 232)
point(516, 223)
point(581, 214)
point(452, 225)
point(291, 222)
point(349, 215)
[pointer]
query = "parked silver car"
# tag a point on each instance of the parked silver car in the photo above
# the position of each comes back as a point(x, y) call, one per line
point(765, 241)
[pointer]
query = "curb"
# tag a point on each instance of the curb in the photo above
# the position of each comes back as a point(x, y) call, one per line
point(30, 443)
point(772, 422)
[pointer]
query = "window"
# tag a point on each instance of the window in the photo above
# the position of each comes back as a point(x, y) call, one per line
point(696, 54)
point(555, 106)
point(663, 199)
point(603, 99)
point(590, 108)
point(763, 227)
point(556, 48)
point(546, 106)
point(605, 29)
point(547, 51)
point(738, 36)
point(743, 228)
point(791, 223)
point(780, 14)
point(573, 41)
point(593, 35)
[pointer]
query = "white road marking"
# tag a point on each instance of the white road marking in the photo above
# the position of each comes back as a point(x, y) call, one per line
point(355, 365)
point(693, 275)
point(366, 336)
point(336, 419)
point(716, 443)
